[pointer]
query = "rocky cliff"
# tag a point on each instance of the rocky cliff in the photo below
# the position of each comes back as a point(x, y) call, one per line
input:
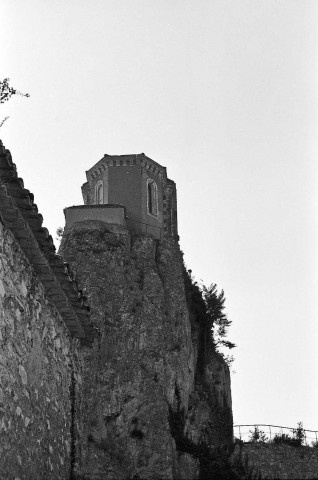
point(149, 409)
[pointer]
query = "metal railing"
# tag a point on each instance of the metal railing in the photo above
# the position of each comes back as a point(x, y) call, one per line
point(245, 433)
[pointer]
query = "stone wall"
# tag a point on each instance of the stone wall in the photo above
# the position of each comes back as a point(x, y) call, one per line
point(280, 461)
point(113, 215)
point(38, 365)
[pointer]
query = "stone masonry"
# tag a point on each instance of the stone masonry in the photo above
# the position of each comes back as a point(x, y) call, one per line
point(279, 461)
point(38, 359)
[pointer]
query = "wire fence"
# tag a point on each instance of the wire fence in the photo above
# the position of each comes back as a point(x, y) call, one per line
point(267, 433)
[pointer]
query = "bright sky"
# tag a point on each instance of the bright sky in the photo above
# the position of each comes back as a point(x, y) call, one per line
point(224, 94)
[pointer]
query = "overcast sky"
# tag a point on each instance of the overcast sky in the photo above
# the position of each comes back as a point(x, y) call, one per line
point(224, 94)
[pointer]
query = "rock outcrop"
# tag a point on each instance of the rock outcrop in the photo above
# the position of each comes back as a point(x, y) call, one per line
point(147, 410)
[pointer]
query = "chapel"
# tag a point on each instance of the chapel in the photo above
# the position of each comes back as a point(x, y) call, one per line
point(130, 191)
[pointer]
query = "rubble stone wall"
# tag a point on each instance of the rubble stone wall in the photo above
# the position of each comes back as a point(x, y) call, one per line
point(39, 375)
point(280, 461)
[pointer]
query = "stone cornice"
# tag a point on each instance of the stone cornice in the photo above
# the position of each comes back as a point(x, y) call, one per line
point(20, 214)
point(124, 161)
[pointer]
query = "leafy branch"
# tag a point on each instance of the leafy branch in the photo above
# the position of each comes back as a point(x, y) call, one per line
point(6, 91)
point(216, 319)
point(208, 318)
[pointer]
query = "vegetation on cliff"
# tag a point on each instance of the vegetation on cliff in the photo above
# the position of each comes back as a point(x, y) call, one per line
point(209, 323)
point(208, 317)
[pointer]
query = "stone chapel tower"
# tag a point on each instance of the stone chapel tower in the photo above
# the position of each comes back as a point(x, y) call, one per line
point(129, 192)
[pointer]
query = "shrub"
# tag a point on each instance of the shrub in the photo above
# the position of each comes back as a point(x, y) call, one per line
point(299, 434)
point(286, 439)
point(257, 436)
point(297, 440)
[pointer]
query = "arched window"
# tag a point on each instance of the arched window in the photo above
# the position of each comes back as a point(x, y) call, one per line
point(152, 197)
point(99, 193)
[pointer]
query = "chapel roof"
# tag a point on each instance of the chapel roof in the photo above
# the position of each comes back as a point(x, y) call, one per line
point(123, 160)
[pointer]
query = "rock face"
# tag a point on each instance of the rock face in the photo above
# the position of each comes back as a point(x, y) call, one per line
point(145, 409)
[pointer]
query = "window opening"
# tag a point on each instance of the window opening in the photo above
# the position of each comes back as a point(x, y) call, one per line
point(99, 194)
point(152, 198)
point(150, 206)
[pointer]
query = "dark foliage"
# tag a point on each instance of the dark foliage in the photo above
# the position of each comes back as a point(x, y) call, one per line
point(258, 436)
point(216, 319)
point(197, 309)
point(297, 439)
point(207, 315)
point(287, 440)
point(6, 91)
